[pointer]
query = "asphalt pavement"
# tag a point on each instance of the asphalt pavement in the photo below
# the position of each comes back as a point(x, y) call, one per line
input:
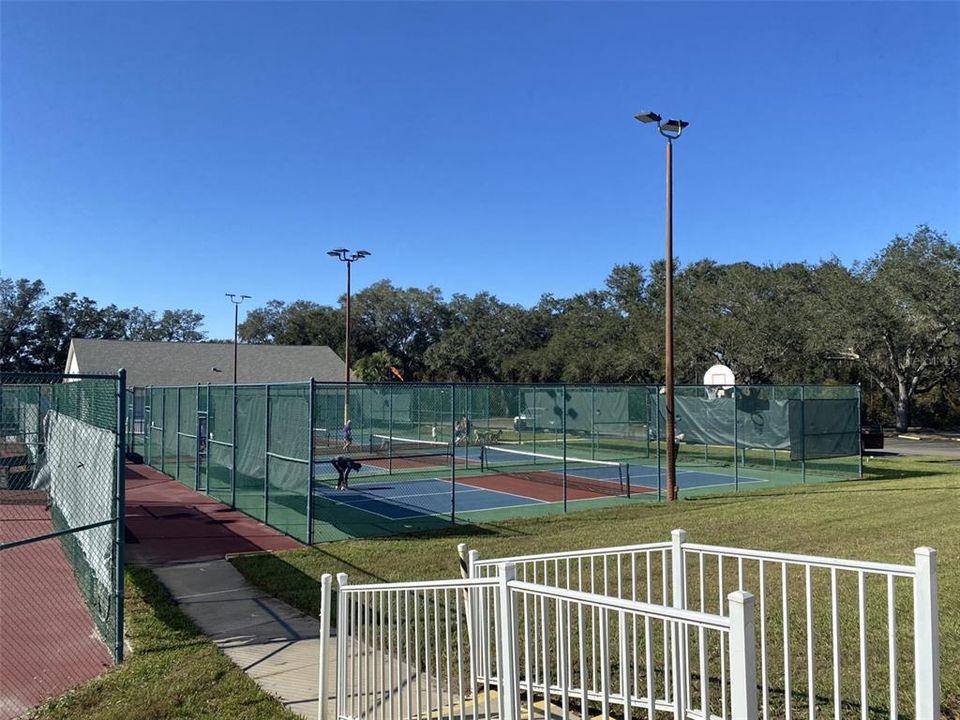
point(920, 443)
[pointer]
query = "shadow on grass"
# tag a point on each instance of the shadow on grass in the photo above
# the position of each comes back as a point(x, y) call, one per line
point(160, 625)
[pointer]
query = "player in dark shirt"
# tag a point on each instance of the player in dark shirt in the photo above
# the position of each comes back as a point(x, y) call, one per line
point(343, 466)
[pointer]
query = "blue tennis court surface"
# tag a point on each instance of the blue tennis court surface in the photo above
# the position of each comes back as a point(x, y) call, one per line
point(644, 479)
point(410, 499)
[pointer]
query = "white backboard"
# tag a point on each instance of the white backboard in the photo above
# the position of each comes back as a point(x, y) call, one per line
point(719, 375)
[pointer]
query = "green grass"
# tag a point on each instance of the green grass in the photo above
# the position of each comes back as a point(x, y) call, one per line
point(172, 672)
point(901, 504)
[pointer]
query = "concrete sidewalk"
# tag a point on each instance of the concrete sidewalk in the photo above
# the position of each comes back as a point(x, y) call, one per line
point(276, 645)
point(184, 537)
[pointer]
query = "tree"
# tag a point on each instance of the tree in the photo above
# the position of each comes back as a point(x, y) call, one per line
point(897, 316)
point(300, 323)
point(754, 319)
point(20, 302)
point(375, 367)
point(478, 333)
point(403, 322)
point(35, 334)
point(66, 317)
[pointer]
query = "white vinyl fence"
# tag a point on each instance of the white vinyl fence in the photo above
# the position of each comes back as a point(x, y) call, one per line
point(498, 647)
point(836, 638)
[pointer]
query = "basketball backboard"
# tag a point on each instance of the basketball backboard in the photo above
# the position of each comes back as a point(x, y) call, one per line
point(719, 375)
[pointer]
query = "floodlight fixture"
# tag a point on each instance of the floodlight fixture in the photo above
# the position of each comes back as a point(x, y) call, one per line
point(647, 117)
point(236, 299)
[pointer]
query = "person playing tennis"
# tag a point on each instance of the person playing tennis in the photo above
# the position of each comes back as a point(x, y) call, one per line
point(343, 466)
point(347, 435)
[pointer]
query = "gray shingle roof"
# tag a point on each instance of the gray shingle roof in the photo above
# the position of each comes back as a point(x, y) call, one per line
point(175, 363)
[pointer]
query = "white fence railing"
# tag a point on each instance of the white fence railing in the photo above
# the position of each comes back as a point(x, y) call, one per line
point(501, 647)
point(835, 637)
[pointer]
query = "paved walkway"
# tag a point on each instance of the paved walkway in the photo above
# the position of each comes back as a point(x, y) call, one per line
point(185, 537)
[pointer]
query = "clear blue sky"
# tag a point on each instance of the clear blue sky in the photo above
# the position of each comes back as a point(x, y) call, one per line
point(161, 154)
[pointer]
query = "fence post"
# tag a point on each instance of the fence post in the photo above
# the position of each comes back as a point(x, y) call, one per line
point(324, 689)
point(859, 431)
point(743, 657)
point(266, 454)
point(343, 633)
point(466, 572)
point(119, 513)
point(233, 452)
point(926, 634)
point(311, 472)
point(678, 599)
point(453, 454)
point(659, 438)
point(177, 436)
point(163, 430)
point(507, 665)
point(196, 449)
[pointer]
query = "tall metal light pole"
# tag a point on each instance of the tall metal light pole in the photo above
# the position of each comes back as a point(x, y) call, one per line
point(236, 299)
point(671, 130)
point(349, 258)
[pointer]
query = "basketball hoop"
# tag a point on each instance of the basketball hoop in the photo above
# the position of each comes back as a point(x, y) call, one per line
point(718, 379)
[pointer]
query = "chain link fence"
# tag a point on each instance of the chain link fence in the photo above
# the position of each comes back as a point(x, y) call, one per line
point(429, 455)
point(61, 532)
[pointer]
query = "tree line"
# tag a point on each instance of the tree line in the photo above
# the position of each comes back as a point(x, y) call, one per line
point(890, 323)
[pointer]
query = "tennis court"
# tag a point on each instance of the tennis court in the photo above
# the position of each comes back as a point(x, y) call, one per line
point(494, 481)
point(490, 479)
point(437, 454)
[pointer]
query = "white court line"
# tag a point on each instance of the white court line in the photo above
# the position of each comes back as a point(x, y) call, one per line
point(374, 512)
point(502, 492)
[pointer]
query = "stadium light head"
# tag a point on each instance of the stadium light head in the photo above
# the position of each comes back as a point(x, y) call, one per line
point(647, 117)
point(362, 253)
point(674, 126)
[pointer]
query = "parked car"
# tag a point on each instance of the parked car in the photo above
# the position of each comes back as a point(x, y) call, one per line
point(526, 419)
point(871, 437)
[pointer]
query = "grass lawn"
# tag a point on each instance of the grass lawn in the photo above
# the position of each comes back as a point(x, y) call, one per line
point(172, 672)
point(901, 504)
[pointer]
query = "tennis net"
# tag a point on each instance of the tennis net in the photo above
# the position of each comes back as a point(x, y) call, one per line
point(394, 446)
point(602, 477)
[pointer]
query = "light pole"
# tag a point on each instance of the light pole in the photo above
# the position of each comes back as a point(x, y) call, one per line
point(236, 299)
point(349, 258)
point(671, 130)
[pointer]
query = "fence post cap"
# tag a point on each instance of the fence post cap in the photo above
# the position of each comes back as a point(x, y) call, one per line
point(925, 551)
point(741, 597)
point(679, 534)
point(341, 579)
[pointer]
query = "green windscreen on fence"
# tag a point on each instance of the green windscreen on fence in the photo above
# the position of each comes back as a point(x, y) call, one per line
point(251, 448)
point(288, 459)
point(187, 448)
point(220, 442)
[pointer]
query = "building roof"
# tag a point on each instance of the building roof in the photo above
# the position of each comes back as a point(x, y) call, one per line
point(181, 363)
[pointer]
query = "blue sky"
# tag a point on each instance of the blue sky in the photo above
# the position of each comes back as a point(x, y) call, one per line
point(160, 154)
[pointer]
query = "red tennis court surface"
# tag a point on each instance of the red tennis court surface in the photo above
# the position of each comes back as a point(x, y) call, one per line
point(539, 489)
point(169, 523)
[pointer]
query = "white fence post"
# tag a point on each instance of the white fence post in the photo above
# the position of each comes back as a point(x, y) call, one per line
point(743, 657)
point(324, 691)
point(926, 634)
point(343, 631)
point(507, 665)
point(678, 644)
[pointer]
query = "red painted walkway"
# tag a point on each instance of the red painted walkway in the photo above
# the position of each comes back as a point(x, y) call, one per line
point(169, 523)
point(48, 641)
